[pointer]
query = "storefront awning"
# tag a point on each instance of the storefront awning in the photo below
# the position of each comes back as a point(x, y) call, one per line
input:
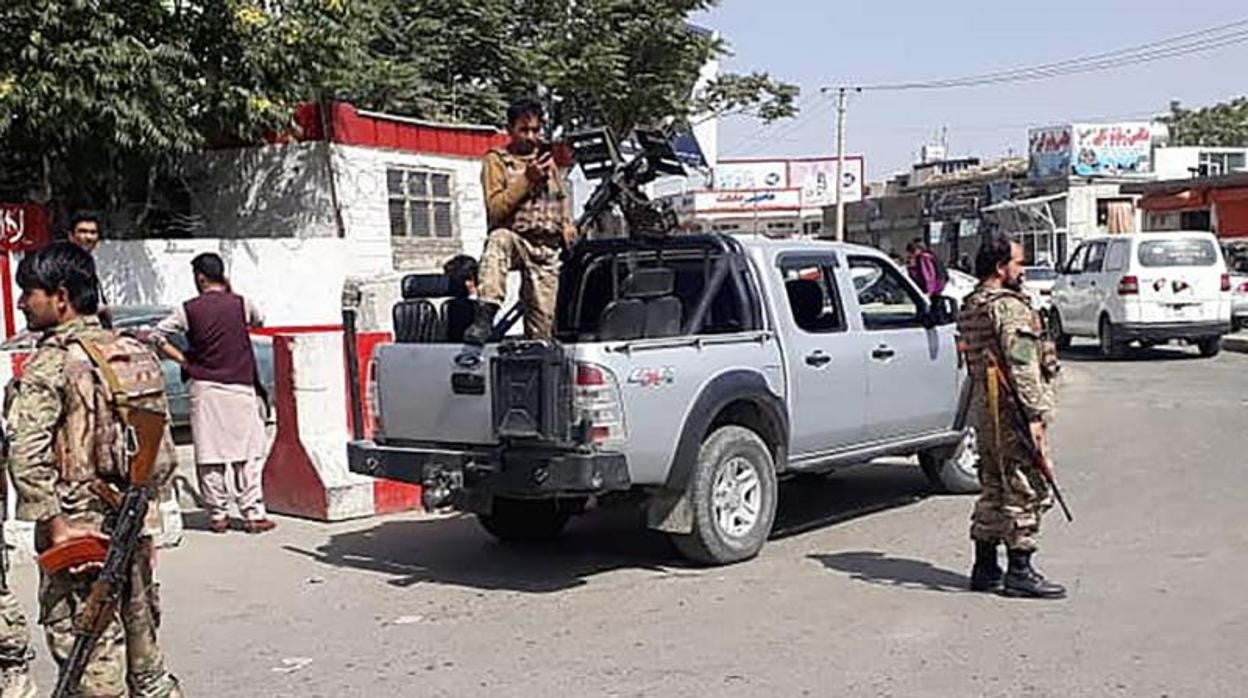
point(1187, 200)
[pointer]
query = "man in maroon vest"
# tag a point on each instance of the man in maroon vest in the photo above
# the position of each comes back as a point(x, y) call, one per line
point(226, 428)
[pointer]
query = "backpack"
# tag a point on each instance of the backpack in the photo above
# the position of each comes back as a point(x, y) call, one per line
point(126, 376)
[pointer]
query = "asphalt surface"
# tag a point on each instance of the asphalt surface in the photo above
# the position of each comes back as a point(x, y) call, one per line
point(861, 593)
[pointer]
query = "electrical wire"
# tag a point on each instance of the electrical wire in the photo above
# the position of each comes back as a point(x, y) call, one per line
point(1180, 45)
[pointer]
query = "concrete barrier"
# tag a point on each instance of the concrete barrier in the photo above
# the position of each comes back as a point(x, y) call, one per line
point(306, 472)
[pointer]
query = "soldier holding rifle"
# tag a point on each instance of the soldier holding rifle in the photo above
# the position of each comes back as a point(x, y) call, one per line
point(1012, 369)
point(90, 409)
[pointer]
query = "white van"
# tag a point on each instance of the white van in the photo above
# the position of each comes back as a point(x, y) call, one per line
point(1145, 287)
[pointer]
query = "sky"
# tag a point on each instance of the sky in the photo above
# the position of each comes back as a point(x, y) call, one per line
point(813, 43)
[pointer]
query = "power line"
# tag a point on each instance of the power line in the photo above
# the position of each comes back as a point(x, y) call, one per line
point(1180, 45)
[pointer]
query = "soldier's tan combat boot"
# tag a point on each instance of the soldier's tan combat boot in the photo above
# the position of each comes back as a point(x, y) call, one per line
point(16, 682)
point(986, 574)
point(1022, 580)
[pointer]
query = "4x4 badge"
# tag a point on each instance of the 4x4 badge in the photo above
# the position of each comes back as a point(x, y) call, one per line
point(652, 377)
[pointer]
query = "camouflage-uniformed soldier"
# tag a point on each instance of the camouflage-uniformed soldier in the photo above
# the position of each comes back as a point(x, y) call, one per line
point(1000, 332)
point(63, 440)
point(529, 211)
point(15, 650)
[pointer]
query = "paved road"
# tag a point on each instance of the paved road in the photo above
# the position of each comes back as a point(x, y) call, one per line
point(861, 594)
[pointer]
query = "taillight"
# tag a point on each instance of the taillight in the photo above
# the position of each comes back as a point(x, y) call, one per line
point(1129, 286)
point(1226, 282)
point(373, 400)
point(1242, 288)
point(598, 402)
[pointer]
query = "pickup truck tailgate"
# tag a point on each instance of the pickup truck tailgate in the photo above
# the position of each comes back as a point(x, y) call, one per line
point(417, 401)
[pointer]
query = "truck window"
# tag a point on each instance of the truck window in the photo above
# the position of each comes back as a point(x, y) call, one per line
point(886, 299)
point(810, 285)
point(606, 278)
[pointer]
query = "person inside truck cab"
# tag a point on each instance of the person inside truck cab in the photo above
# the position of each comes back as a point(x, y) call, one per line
point(530, 220)
point(461, 308)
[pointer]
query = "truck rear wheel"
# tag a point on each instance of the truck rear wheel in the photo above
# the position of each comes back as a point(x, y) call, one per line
point(733, 494)
point(953, 470)
point(525, 520)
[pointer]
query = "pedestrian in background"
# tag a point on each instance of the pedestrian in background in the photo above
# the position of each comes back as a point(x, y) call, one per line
point(226, 428)
point(925, 269)
point(85, 231)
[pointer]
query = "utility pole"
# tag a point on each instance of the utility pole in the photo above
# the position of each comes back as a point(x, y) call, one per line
point(841, 99)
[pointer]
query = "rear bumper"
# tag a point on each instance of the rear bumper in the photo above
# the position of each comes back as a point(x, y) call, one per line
point(1163, 331)
point(450, 475)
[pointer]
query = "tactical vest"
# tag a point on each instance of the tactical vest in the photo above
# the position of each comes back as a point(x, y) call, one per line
point(542, 211)
point(977, 330)
point(106, 375)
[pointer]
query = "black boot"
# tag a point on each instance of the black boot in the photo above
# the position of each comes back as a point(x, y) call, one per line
point(482, 324)
point(1023, 580)
point(986, 573)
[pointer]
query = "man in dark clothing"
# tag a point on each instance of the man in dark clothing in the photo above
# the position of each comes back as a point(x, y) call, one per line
point(85, 231)
point(459, 311)
point(226, 428)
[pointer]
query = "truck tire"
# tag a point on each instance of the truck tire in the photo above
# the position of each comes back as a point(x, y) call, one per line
point(953, 470)
point(732, 494)
point(525, 520)
point(1209, 346)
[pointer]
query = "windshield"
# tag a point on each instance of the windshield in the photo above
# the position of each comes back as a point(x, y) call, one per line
point(1182, 252)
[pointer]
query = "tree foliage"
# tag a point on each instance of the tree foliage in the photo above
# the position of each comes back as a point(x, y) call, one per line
point(1222, 125)
point(99, 97)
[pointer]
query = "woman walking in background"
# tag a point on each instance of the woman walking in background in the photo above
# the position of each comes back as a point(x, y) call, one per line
point(226, 428)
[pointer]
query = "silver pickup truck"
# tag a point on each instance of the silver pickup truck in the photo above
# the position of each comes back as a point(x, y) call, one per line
point(694, 371)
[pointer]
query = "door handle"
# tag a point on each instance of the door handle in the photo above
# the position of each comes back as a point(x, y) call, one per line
point(883, 352)
point(817, 359)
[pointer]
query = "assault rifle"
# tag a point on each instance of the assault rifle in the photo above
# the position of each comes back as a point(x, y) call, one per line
point(1021, 425)
point(144, 430)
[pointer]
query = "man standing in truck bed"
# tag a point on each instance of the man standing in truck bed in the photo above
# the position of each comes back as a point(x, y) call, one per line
point(530, 218)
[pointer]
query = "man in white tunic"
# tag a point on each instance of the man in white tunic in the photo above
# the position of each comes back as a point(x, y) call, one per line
point(226, 428)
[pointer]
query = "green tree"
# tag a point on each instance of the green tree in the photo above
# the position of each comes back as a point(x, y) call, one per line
point(1222, 125)
point(611, 62)
point(98, 98)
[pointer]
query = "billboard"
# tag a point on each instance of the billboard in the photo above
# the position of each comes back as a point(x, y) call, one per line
point(1049, 151)
point(752, 174)
point(747, 200)
point(815, 176)
point(1091, 150)
point(1121, 149)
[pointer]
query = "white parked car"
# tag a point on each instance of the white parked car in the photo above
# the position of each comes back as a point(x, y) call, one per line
point(1239, 301)
point(959, 286)
point(1149, 288)
point(1038, 283)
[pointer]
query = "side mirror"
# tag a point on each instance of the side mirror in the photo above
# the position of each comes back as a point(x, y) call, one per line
point(942, 310)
